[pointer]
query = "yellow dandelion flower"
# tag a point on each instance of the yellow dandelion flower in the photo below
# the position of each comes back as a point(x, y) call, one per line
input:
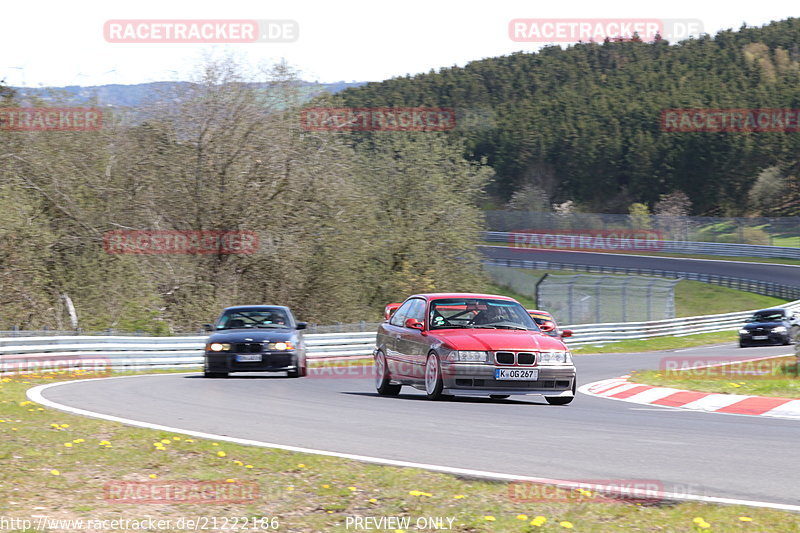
point(40, 408)
point(238, 463)
point(745, 519)
point(230, 480)
point(352, 489)
point(166, 441)
point(248, 466)
point(104, 443)
point(522, 517)
point(698, 519)
point(326, 486)
point(301, 465)
point(215, 443)
point(78, 441)
point(539, 521)
point(489, 518)
point(459, 496)
point(704, 525)
point(152, 476)
point(372, 500)
point(176, 438)
point(221, 454)
point(566, 524)
point(189, 440)
point(65, 426)
point(13, 429)
point(290, 488)
point(68, 444)
point(55, 472)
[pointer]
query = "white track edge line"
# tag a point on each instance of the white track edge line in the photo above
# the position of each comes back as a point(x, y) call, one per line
point(35, 394)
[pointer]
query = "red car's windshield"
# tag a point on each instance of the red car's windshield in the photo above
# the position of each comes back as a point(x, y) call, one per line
point(478, 313)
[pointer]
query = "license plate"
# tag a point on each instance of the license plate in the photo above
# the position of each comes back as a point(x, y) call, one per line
point(248, 357)
point(517, 374)
point(760, 337)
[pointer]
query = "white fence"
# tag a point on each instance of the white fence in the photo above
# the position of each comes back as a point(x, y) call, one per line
point(136, 353)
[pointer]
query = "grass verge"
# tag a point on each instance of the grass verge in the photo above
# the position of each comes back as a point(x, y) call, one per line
point(768, 377)
point(59, 466)
point(657, 343)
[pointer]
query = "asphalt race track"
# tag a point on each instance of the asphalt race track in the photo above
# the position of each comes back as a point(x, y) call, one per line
point(786, 274)
point(730, 456)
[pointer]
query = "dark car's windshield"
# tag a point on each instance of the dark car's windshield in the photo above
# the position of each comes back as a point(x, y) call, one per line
point(477, 313)
point(770, 316)
point(254, 318)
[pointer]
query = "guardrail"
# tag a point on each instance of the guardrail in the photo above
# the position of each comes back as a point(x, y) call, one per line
point(767, 288)
point(137, 353)
point(677, 247)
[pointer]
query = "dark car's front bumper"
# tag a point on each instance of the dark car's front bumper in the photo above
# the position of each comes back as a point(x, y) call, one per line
point(479, 380)
point(290, 360)
point(755, 337)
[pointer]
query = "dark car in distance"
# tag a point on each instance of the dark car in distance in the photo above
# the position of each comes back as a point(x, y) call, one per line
point(454, 344)
point(770, 326)
point(255, 338)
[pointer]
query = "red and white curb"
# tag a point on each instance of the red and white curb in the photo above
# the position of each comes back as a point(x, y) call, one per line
point(734, 404)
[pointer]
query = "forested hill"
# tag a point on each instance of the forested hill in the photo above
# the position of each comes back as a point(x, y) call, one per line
point(583, 123)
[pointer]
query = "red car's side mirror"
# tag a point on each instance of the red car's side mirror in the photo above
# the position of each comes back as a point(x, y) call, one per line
point(566, 333)
point(547, 326)
point(413, 323)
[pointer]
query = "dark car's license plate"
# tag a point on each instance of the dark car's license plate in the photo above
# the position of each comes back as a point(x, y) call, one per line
point(248, 357)
point(519, 374)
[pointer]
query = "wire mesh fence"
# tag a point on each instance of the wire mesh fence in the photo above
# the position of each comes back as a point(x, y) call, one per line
point(591, 299)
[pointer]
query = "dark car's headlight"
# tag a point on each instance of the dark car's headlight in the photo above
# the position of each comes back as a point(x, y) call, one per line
point(555, 358)
point(218, 347)
point(779, 329)
point(281, 346)
point(744, 331)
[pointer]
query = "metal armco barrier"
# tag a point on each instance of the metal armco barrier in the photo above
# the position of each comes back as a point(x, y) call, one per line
point(767, 288)
point(137, 353)
point(676, 247)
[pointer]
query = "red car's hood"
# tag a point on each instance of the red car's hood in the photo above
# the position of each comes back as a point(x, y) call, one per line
point(498, 339)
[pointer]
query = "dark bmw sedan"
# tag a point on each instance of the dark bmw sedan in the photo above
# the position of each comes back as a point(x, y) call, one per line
point(255, 338)
point(770, 326)
point(470, 344)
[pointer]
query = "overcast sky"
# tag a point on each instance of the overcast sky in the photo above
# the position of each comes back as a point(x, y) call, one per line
point(56, 43)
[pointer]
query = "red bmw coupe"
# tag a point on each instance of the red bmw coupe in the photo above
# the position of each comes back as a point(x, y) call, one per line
point(470, 344)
